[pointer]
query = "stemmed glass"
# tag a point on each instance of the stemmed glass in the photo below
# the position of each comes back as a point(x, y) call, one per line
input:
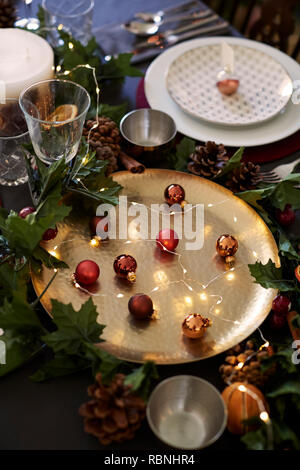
point(13, 134)
point(55, 112)
point(28, 22)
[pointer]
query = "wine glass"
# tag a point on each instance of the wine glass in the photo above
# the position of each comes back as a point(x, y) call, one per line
point(13, 133)
point(55, 112)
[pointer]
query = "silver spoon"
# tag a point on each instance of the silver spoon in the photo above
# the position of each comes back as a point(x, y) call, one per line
point(147, 29)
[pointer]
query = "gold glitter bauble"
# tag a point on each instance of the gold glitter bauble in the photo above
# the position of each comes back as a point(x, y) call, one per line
point(227, 245)
point(194, 325)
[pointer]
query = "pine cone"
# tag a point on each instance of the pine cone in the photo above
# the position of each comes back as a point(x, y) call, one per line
point(208, 160)
point(7, 14)
point(114, 413)
point(243, 178)
point(105, 139)
point(251, 372)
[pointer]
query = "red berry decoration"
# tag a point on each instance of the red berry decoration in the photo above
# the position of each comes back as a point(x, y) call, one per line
point(96, 222)
point(281, 305)
point(26, 211)
point(277, 320)
point(286, 217)
point(87, 272)
point(125, 267)
point(167, 239)
point(140, 306)
point(174, 194)
point(50, 234)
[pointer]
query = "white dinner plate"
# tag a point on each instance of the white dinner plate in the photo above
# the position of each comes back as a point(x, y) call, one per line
point(283, 125)
point(265, 86)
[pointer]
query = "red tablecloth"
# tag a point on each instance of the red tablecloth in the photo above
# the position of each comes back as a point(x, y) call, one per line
point(260, 154)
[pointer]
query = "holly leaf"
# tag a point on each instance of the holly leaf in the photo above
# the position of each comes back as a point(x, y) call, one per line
point(119, 67)
point(46, 259)
point(270, 277)
point(285, 193)
point(73, 327)
point(183, 152)
point(140, 379)
point(18, 350)
point(288, 387)
point(233, 162)
point(286, 248)
point(102, 361)
point(114, 112)
point(18, 315)
point(54, 175)
point(59, 366)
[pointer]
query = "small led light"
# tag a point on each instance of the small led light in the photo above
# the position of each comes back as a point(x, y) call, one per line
point(235, 219)
point(60, 27)
point(94, 242)
point(188, 300)
point(242, 388)
point(264, 416)
point(71, 45)
point(239, 366)
point(58, 68)
point(55, 270)
point(203, 296)
point(120, 296)
point(230, 276)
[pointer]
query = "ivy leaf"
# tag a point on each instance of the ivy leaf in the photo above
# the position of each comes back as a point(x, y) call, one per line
point(59, 366)
point(73, 327)
point(102, 361)
point(119, 67)
point(282, 358)
point(285, 193)
point(141, 379)
point(233, 163)
point(270, 277)
point(12, 280)
point(183, 152)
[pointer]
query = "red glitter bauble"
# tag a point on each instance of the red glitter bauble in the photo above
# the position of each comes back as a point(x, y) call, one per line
point(87, 272)
point(167, 239)
point(174, 194)
point(96, 222)
point(140, 306)
point(26, 211)
point(125, 267)
point(50, 234)
point(277, 320)
point(286, 217)
point(281, 304)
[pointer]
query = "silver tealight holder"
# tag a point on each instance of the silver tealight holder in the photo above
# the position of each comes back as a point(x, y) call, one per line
point(186, 412)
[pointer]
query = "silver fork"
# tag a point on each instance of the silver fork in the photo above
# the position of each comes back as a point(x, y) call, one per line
point(278, 174)
point(157, 16)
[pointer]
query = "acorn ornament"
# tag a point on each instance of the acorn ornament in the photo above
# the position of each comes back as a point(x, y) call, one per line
point(175, 194)
point(194, 326)
point(140, 306)
point(125, 267)
point(226, 247)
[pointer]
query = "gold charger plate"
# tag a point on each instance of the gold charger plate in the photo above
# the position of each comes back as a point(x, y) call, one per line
point(236, 305)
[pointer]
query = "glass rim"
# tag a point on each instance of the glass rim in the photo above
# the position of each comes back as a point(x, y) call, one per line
point(54, 122)
point(68, 16)
point(17, 136)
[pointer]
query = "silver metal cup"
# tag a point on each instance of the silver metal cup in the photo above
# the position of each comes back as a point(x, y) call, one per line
point(148, 132)
point(186, 412)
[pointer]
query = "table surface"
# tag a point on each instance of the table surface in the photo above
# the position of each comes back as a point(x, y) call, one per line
point(44, 416)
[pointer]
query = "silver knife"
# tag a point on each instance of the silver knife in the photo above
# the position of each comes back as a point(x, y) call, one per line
point(220, 28)
point(161, 38)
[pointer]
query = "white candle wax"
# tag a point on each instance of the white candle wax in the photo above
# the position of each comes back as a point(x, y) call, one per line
point(25, 58)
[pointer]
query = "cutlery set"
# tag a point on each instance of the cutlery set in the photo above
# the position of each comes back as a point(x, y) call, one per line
point(191, 24)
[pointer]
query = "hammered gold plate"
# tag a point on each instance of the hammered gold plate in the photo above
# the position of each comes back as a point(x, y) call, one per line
point(235, 304)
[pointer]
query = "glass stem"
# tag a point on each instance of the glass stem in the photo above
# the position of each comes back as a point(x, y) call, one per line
point(28, 8)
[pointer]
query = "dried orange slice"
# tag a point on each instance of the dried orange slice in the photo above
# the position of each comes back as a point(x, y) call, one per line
point(297, 272)
point(63, 113)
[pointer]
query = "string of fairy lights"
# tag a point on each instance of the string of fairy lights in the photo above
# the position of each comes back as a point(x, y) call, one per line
point(96, 241)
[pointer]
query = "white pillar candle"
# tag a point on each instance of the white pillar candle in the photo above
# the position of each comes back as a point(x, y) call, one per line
point(25, 58)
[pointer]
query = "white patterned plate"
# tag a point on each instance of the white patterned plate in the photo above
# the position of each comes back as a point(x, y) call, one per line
point(286, 123)
point(265, 86)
